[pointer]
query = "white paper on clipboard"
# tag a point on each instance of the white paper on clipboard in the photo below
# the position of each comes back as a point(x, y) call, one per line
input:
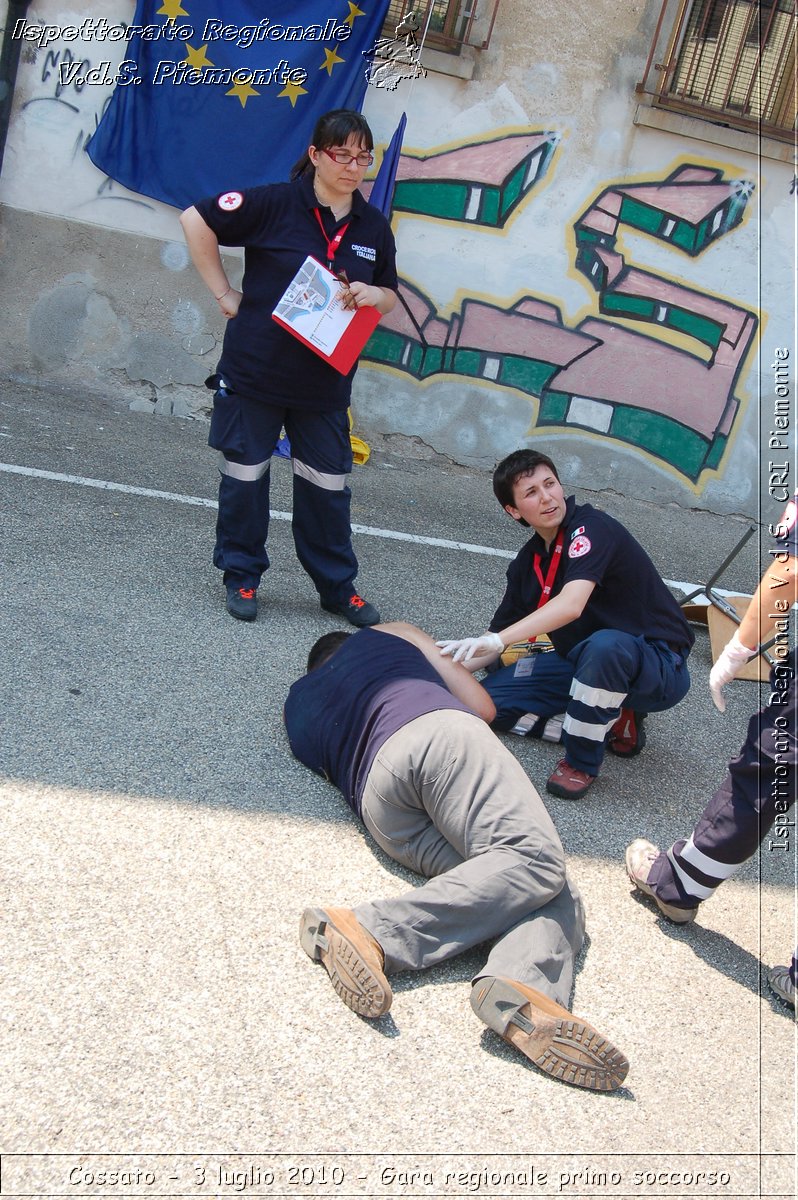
point(313, 308)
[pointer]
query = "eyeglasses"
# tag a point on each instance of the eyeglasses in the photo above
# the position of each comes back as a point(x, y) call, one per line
point(344, 158)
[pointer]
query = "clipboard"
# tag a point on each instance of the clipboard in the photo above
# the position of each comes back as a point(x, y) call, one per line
point(310, 310)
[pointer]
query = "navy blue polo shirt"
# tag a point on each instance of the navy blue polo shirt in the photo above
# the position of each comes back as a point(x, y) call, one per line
point(277, 226)
point(339, 715)
point(629, 594)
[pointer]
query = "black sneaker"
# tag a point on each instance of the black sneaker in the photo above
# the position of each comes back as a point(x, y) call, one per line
point(242, 603)
point(356, 610)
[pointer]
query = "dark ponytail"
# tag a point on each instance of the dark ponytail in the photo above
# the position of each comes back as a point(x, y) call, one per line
point(334, 129)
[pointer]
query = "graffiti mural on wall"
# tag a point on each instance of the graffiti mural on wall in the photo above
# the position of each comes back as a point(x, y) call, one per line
point(670, 391)
point(482, 184)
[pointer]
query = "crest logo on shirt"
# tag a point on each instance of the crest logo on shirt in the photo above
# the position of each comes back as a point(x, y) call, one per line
point(580, 545)
point(230, 201)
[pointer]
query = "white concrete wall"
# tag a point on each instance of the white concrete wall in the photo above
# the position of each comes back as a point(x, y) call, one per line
point(104, 289)
point(46, 169)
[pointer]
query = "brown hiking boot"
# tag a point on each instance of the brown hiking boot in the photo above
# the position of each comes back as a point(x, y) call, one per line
point(640, 858)
point(350, 956)
point(550, 1036)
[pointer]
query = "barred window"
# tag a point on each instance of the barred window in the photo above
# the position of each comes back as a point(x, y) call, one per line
point(452, 23)
point(730, 61)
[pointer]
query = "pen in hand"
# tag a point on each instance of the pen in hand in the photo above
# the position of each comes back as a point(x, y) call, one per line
point(348, 299)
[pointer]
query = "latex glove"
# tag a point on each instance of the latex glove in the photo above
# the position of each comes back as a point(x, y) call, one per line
point(468, 648)
point(733, 656)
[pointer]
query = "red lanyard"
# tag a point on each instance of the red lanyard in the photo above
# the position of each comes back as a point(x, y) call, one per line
point(547, 585)
point(332, 243)
point(556, 555)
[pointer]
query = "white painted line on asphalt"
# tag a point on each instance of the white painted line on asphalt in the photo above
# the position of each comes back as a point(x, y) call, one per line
point(395, 535)
point(106, 486)
point(200, 502)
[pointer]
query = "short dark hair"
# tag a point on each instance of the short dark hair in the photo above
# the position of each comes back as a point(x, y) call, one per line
point(514, 467)
point(334, 128)
point(325, 647)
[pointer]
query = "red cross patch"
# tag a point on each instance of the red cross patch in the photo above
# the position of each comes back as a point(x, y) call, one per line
point(230, 201)
point(580, 546)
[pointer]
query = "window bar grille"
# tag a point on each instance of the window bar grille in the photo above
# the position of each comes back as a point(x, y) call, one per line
point(654, 44)
point(778, 76)
point(732, 75)
point(698, 36)
point(757, 68)
point(456, 20)
point(746, 79)
point(764, 38)
point(719, 65)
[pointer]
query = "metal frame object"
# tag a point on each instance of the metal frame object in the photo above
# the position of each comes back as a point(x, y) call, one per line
point(708, 589)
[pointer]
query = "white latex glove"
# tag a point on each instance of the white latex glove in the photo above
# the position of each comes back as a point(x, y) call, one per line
point(733, 656)
point(468, 648)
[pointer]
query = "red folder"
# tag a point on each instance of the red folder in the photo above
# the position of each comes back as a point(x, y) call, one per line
point(360, 328)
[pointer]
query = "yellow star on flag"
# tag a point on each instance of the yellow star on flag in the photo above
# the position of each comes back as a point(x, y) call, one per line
point(331, 60)
point(293, 91)
point(171, 10)
point(354, 13)
point(197, 58)
point(242, 89)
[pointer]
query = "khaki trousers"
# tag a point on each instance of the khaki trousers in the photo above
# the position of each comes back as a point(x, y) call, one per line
point(445, 798)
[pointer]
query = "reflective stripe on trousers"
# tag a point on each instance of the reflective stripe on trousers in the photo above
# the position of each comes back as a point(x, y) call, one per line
point(759, 788)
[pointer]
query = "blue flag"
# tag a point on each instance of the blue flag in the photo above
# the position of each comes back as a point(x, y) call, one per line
point(216, 95)
point(381, 194)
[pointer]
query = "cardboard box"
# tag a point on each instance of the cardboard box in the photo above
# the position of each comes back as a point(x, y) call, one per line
point(721, 628)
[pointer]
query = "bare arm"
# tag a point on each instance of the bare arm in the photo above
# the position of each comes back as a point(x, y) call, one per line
point(772, 600)
point(458, 680)
point(203, 247)
point(568, 606)
point(561, 610)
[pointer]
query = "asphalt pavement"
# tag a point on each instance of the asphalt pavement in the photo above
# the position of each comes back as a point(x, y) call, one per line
point(163, 1032)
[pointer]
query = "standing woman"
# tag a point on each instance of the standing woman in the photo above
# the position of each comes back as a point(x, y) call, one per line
point(267, 379)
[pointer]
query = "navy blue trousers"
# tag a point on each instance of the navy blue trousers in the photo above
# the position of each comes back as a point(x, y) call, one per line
point(749, 808)
point(246, 432)
point(601, 675)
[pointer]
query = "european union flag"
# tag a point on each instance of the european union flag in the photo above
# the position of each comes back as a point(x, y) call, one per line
point(216, 95)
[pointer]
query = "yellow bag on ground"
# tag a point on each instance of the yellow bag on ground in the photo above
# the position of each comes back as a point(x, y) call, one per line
point(360, 451)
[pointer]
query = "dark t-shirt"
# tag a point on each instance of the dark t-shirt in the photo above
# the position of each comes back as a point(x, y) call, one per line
point(339, 715)
point(629, 594)
point(277, 226)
